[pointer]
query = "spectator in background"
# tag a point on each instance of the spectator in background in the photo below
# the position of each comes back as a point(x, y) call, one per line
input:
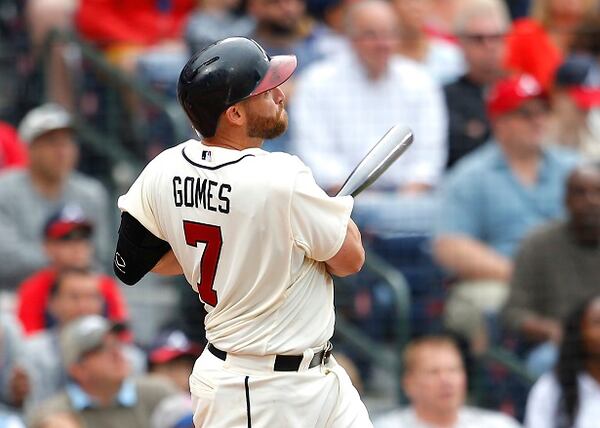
point(28, 197)
point(568, 397)
point(283, 27)
point(536, 45)
point(13, 152)
point(215, 20)
point(435, 383)
point(556, 267)
point(76, 293)
point(42, 17)
point(481, 28)
point(345, 104)
point(174, 412)
point(576, 105)
point(587, 36)
point(173, 356)
point(441, 17)
point(518, 8)
point(129, 30)
point(14, 382)
point(492, 198)
point(441, 57)
point(331, 13)
point(68, 245)
point(100, 390)
point(59, 420)
point(145, 39)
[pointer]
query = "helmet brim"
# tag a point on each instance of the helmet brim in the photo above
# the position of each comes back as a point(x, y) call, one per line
point(281, 67)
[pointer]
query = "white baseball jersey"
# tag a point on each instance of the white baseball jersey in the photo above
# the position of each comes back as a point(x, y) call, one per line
point(251, 230)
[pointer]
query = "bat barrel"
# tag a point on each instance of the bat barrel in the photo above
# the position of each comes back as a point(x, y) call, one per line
point(384, 153)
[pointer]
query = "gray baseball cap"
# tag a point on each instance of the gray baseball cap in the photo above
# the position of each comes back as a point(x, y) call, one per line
point(45, 118)
point(81, 336)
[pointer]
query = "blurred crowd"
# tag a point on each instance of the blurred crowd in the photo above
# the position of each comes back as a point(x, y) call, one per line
point(493, 214)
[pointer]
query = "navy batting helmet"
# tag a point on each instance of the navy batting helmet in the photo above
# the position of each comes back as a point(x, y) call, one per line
point(225, 73)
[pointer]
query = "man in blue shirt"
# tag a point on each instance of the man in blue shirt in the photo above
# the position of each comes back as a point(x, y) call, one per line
point(492, 198)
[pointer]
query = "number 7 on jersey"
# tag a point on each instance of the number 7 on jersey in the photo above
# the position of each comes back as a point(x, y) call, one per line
point(210, 235)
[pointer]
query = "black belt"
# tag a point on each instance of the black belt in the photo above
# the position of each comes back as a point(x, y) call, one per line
point(284, 363)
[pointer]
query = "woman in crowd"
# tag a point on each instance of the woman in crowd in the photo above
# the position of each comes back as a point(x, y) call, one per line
point(569, 396)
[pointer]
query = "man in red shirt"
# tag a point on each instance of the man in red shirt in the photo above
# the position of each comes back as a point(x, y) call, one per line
point(67, 243)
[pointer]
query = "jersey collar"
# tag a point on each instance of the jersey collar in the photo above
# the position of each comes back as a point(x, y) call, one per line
point(213, 157)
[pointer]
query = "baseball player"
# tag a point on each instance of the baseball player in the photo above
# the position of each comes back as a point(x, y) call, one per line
point(257, 239)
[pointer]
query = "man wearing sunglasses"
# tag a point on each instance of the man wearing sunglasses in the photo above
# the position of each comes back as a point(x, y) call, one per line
point(481, 28)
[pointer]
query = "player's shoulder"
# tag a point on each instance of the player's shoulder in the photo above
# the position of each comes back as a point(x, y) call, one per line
point(283, 160)
point(278, 166)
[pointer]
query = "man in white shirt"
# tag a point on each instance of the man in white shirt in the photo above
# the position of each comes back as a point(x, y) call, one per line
point(342, 106)
point(435, 382)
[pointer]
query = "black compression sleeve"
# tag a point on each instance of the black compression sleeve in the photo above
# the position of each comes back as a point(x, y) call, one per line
point(138, 250)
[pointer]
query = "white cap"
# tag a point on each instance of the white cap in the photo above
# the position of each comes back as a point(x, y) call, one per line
point(45, 118)
point(82, 335)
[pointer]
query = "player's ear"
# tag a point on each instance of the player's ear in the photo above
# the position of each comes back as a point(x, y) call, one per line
point(235, 115)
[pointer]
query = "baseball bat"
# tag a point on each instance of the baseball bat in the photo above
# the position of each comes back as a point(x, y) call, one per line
point(384, 153)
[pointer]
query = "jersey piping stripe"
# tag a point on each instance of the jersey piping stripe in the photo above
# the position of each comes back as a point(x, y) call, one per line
point(212, 168)
point(248, 415)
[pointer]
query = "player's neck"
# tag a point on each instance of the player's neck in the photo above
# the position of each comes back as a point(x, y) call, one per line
point(234, 142)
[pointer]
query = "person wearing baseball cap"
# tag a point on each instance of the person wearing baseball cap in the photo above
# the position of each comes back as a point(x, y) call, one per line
point(100, 390)
point(67, 223)
point(173, 355)
point(29, 196)
point(492, 198)
point(67, 243)
point(576, 103)
point(47, 118)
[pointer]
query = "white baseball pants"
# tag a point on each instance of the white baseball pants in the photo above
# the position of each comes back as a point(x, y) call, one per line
point(245, 392)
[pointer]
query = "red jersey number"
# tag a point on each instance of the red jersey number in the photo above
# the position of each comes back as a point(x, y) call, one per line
point(211, 236)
